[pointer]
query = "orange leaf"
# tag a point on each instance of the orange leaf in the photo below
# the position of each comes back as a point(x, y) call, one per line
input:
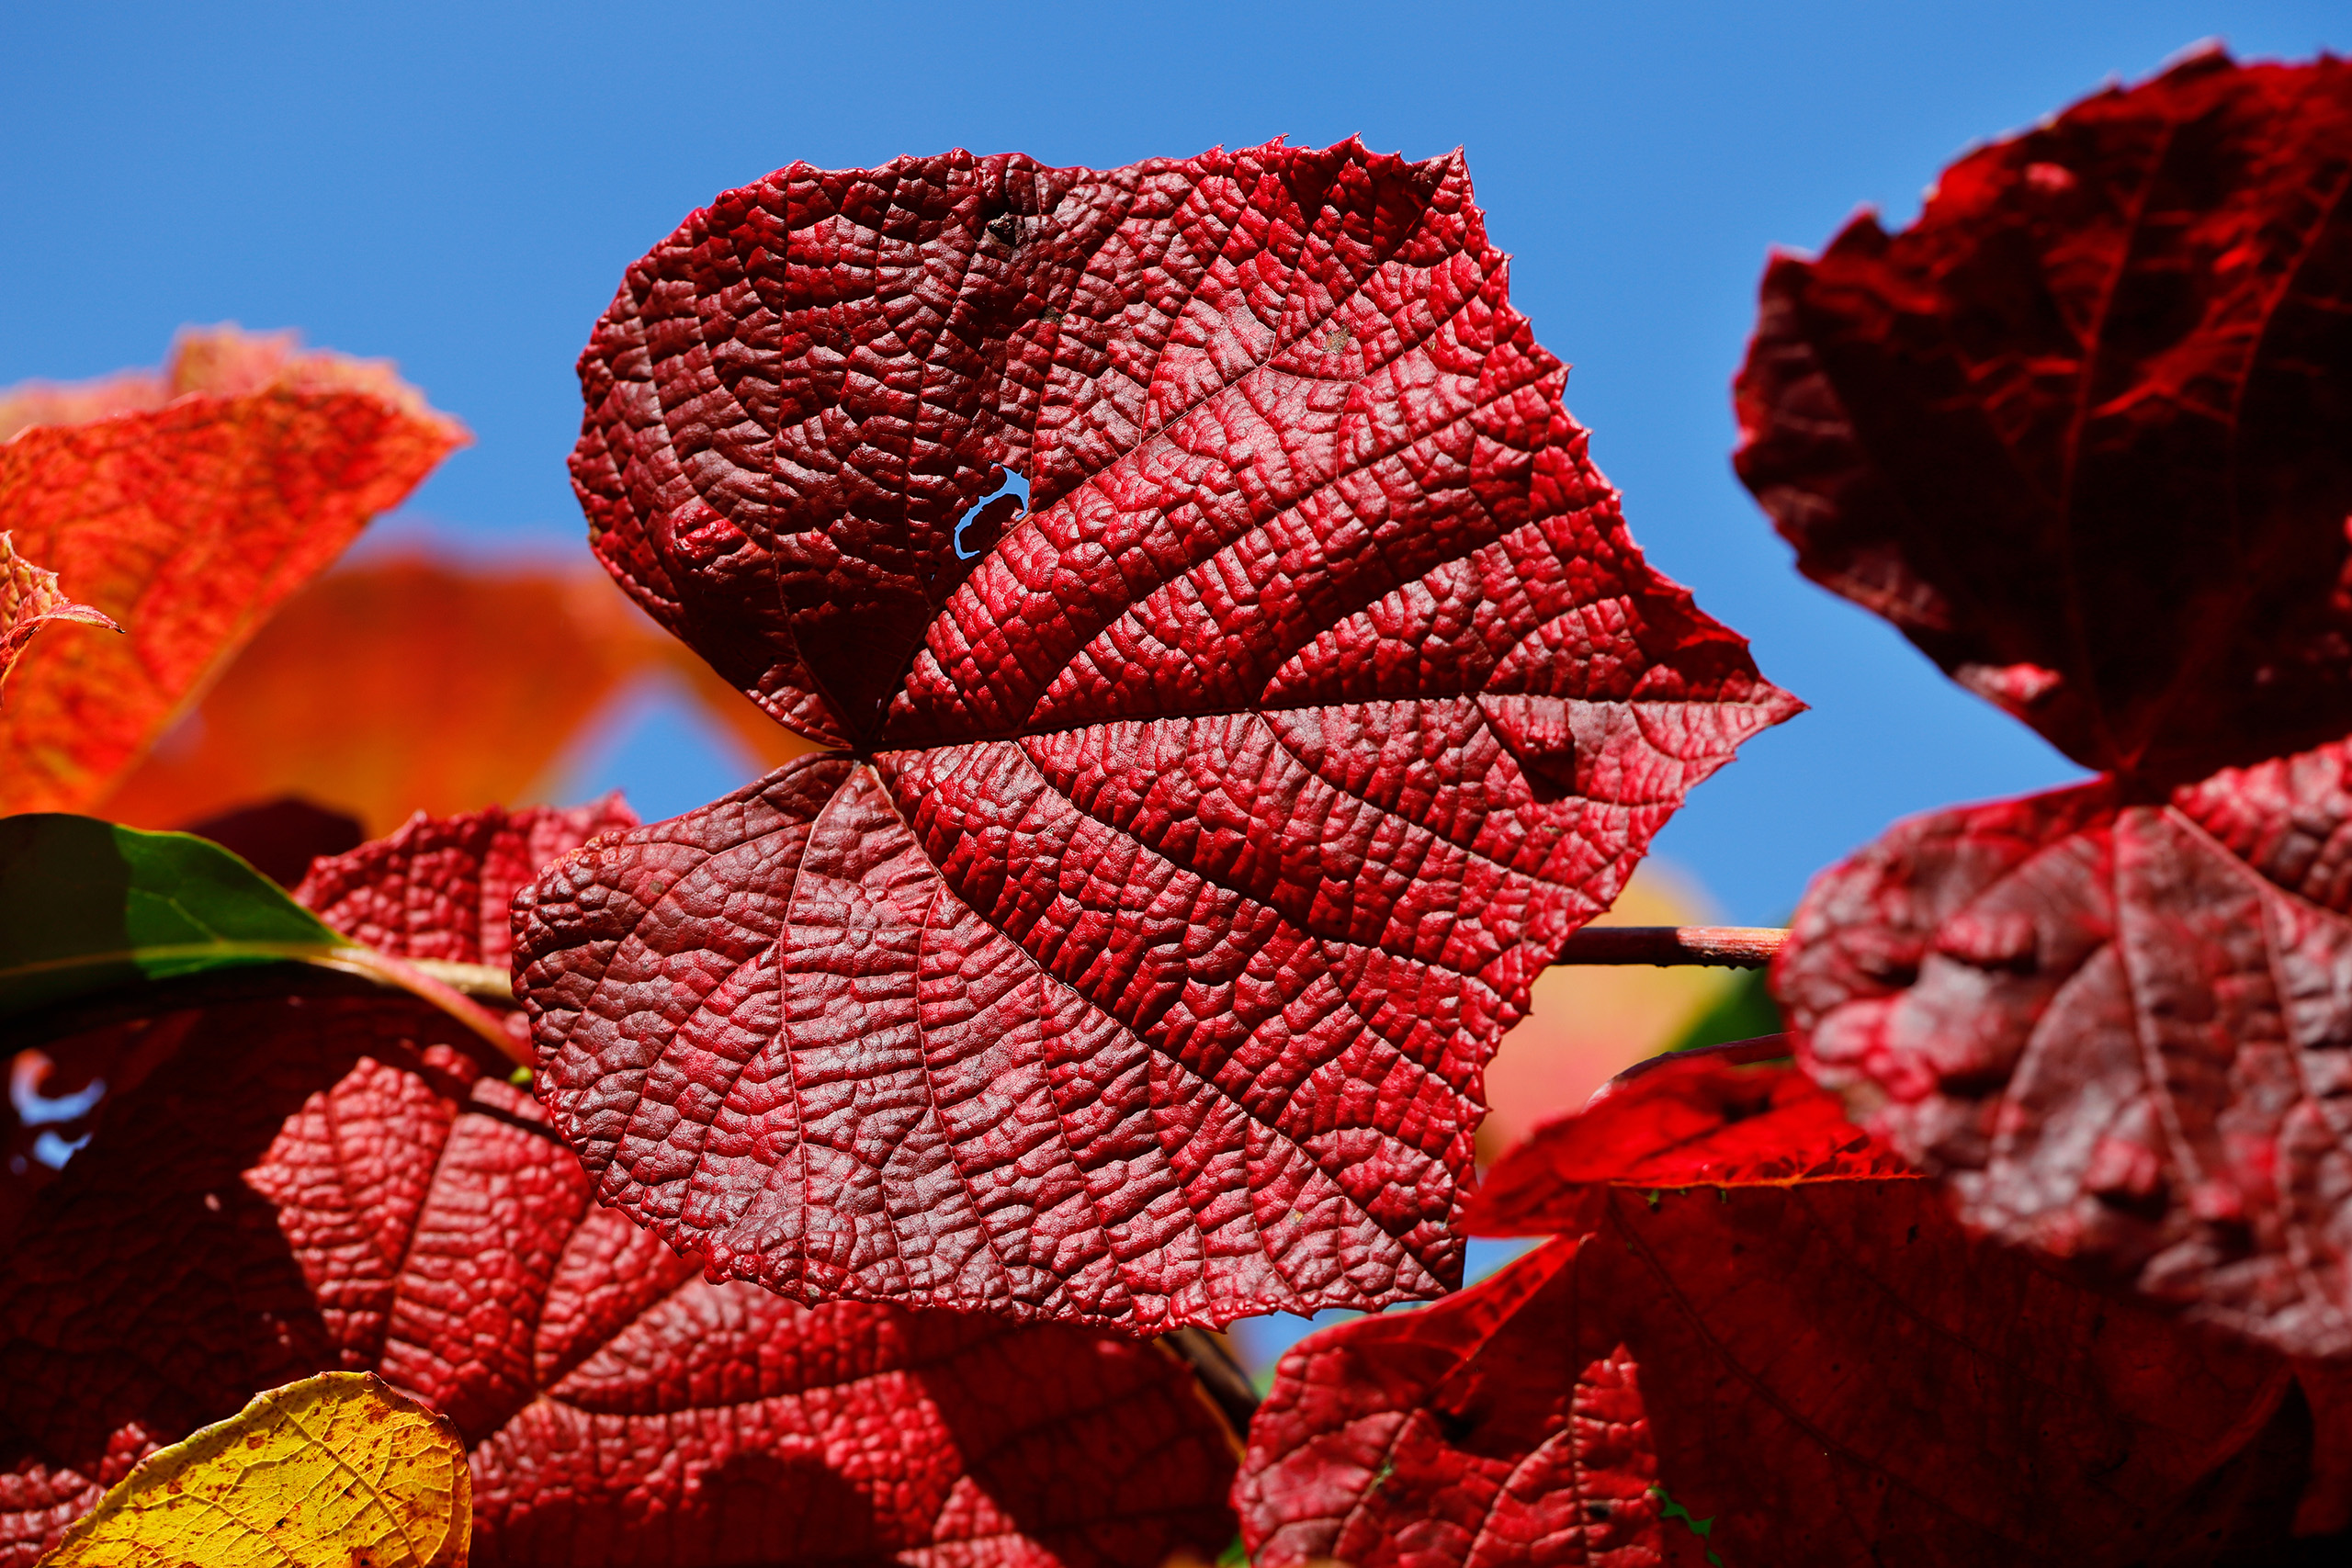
point(412, 685)
point(185, 506)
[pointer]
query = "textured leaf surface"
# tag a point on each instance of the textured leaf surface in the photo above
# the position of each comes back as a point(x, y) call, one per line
point(1827, 1370)
point(2083, 431)
point(2120, 1032)
point(187, 507)
point(1201, 826)
point(440, 888)
point(29, 599)
point(341, 1183)
point(328, 1473)
point(453, 688)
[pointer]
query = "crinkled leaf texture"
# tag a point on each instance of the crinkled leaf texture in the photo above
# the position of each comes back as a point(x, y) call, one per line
point(333, 1471)
point(2083, 431)
point(1200, 829)
point(1803, 1352)
point(340, 1183)
point(185, 506)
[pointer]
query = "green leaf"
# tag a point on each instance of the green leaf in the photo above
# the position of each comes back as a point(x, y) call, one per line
point(91, 909)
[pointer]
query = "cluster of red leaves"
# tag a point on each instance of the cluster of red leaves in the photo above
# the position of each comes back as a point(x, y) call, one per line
point(2083, 431)
point(1756, 1320)
point(332, 1181)
point(1198, 830)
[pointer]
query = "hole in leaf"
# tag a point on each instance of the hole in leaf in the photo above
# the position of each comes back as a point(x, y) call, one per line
point(1007, 502)
point(27, 1077)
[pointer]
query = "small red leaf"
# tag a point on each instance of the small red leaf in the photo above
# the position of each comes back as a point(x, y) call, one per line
point(1823, 1372)
point(1732, 1116)
point(1202, 828)
point(337, 1182)
point(29, 599)
point(2120, 1031)
point(2083, 431)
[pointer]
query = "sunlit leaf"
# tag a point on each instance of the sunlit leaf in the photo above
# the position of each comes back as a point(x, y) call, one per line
point(1201, 823)
point(336, 1471)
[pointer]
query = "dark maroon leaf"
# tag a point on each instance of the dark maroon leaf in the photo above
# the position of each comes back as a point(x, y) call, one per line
point(1200, 830)
point(281, 838)
point(1820, 1369)
point(2083, 431)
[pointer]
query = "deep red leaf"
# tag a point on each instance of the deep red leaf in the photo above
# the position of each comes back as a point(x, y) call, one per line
point(1202, 831)
point(1826, 1370)
point(2083, 431)
point(338, 1182)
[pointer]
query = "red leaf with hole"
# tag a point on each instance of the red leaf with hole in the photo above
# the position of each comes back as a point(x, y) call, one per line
point(1822, 1368)
point(2083, 431)
point(337, 1181)
point(1200, 828)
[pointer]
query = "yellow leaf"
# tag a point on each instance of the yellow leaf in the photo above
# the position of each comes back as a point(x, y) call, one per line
point(333, 1471)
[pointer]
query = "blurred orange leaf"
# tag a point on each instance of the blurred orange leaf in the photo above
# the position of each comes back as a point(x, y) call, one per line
point(410, 684)
point(184, 506)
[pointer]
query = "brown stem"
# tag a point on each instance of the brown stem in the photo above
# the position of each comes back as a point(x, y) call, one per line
point(1221, 1377)
point(1725, 947)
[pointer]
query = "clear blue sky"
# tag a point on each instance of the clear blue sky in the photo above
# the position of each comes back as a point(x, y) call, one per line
point(458, 186)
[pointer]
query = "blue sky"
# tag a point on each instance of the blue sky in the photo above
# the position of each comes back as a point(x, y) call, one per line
point(458, 187)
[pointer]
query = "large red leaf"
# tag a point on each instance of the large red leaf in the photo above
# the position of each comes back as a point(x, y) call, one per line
point(184, 506)
point(1199, 829)
point(2083, 431)
point(1822, 1368)
point(323, 1182)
